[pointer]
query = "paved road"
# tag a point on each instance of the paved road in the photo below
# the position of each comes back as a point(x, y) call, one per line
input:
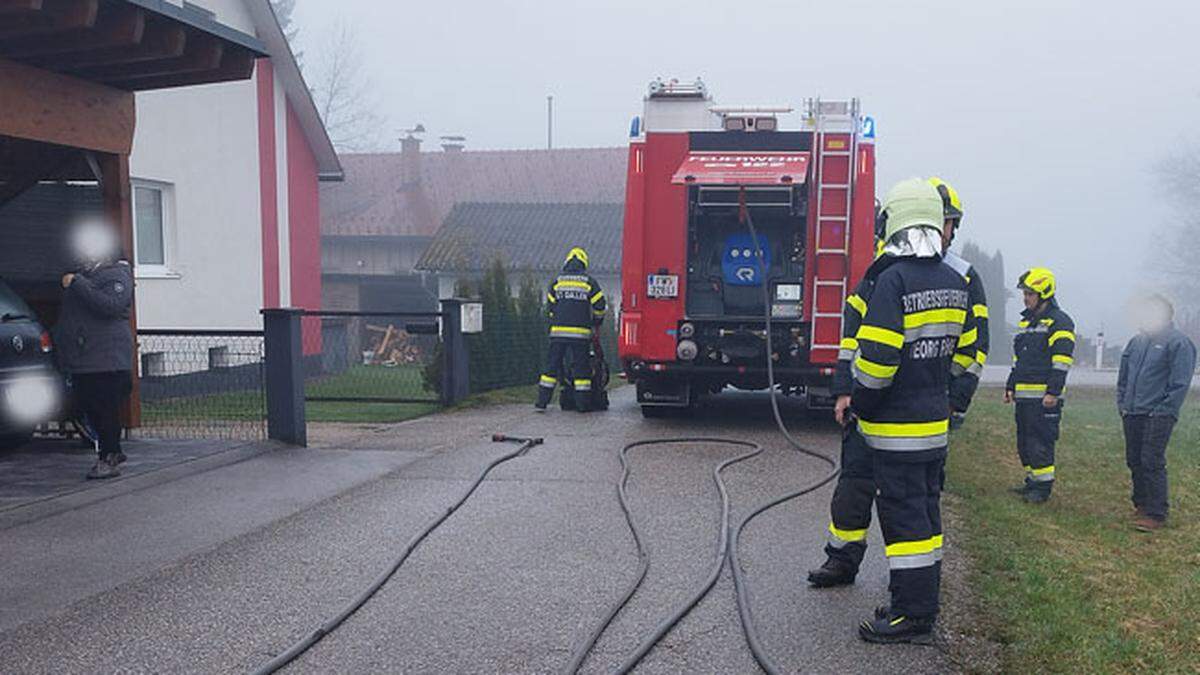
point(511, 581)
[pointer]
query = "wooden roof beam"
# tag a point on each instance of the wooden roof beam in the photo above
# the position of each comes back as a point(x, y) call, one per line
point(55, 16)
point(52, 108)
point(117, 26)
point(201, 52)
point(236, 64)
point(160, 40)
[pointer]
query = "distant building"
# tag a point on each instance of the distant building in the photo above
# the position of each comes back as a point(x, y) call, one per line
point(527, 238)
point(377, 224)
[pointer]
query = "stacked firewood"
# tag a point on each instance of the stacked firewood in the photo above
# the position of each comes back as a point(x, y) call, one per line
point(392, 346)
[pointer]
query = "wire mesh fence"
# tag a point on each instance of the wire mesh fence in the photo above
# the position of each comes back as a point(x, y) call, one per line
point(370, 366)
point(512, 350)
point(202, 384)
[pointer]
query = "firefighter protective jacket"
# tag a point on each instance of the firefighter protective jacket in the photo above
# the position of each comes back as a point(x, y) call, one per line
point(575, 303)
point(967, 367)
point(917, 320)
point(1043, 352)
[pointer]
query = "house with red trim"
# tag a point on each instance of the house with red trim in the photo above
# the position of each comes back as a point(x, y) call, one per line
point(225, 184)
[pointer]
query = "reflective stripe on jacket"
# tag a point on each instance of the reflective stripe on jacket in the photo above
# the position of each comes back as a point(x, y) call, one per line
point(852, 315)
point(917, 320)
point(1043, 352)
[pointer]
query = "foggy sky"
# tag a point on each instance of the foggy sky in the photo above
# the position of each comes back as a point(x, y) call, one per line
point(1046, 115)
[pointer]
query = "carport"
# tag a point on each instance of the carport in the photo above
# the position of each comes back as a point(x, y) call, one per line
point(68, 73)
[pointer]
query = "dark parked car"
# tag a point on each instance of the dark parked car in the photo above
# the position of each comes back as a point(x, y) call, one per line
point(31, 390)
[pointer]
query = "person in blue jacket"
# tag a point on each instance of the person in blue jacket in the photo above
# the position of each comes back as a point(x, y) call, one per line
point(1156, 375)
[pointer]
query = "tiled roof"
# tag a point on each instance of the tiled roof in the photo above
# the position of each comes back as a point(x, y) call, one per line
point(374, 199)
point(533, 237)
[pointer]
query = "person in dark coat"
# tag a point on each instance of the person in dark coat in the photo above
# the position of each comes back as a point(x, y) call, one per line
point(1156, 375)
point(94, 339)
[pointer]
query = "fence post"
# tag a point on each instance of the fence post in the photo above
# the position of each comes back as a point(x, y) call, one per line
point(285, 376)
point(456, 381)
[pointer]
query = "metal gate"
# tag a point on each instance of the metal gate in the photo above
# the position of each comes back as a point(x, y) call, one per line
point(354, 360)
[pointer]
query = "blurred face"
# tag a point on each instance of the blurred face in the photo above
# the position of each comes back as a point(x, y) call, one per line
point(94, 242)
point(1031, 299)
point(1152, 316)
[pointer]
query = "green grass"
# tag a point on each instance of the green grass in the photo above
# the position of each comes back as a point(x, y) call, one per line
point(239, 406)
point(370, 381)
point(1069, 586)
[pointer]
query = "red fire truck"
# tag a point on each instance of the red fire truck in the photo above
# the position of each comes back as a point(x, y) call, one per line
point(693, 319)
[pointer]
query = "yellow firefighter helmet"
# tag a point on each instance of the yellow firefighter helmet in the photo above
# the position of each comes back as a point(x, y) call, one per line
point(579, 254)
point(952, 206)
point(1038, 280)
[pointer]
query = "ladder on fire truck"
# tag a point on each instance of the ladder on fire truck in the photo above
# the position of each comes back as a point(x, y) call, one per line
point(835, 126)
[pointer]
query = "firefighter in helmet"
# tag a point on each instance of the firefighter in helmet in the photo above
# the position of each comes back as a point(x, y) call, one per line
point(575, 305)
point(917, 320)
point(1043, 351)
point(967, 367)
point(854, 494)
point(850, 508)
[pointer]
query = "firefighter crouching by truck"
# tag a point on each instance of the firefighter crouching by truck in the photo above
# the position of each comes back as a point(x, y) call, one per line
point(1043, 352)
point(575, 305)
point(854, 494)
point(917, 320)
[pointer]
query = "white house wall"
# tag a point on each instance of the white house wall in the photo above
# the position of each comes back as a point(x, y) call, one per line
point(203, 143)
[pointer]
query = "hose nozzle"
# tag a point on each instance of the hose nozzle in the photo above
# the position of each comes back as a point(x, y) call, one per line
point(503, 438)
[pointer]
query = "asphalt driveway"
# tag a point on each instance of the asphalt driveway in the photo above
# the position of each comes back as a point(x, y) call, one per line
point(509, 584)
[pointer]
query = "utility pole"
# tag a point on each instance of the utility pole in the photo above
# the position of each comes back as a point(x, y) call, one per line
point(550, 122)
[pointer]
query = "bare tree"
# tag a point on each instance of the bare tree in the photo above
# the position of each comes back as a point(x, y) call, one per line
point(344, 93)
point(1176, 259)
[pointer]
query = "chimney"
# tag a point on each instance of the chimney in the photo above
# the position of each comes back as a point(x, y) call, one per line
point(410, 156)
point(454, 143)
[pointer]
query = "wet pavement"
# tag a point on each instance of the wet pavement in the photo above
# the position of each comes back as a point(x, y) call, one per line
point(48, 468)
point(253, 555)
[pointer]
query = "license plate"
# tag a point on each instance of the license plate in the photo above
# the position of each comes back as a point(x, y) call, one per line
point(662, 286)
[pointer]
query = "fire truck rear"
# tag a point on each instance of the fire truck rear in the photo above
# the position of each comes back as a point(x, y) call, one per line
point(693, 319)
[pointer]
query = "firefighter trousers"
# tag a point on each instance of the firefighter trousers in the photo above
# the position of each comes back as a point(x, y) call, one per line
point(567, 358)
point(1037, 433)
point(850, 508)
point(909, 505)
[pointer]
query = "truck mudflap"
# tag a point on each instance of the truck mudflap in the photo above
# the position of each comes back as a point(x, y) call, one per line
point(665, 392)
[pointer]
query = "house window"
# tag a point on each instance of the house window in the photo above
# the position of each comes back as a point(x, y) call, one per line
point(152, 211)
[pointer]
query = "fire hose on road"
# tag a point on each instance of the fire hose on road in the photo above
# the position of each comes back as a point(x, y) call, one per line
point(307, 642)
point(728, 538)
